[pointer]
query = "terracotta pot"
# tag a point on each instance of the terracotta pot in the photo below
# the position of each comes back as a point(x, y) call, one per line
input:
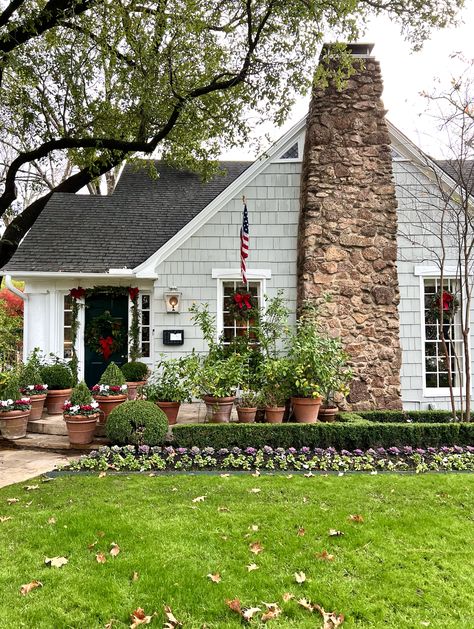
point(13, 424)
point(37, 405)
point(328, 413)
point(107, 403)
point(55, 401)
point(274, 414)
point(171, 410)
point(132, 388)
point(219, 409)
point(306, 409)
point(246, 414)
point(81, 428)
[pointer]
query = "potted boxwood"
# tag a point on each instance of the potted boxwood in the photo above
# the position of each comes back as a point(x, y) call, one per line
point(217, 379)
point(14, 410)
point(247, 405)
point(110, 391)
point(80, 414)
point(135, 374)
point(275, 376)
point(170, 385)
point(337, 378)
point(59, 379)
point(32, 385)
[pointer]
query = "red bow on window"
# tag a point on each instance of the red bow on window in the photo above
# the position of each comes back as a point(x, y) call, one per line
point(106, 346)
point(133, 293)
point(242, 300)
point(77, 293)
point(447, 299)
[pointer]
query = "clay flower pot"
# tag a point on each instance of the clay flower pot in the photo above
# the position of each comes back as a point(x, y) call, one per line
point(305, 409)
point(37, 405)
point(246, 414)
point(81, 428)
point(328, 413)
point(107, 403)
point(13, 424)
point(170, 409)
point(219, 409)
point(132, 388)
point(55, 401)
point(274, 414)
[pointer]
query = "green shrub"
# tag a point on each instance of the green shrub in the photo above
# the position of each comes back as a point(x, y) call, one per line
point(137, 422)
point(112, 376)
point(57, 376)
point(134, 371)
point(425, 417)
point(11, 389)
point(81, 396)
point(348, 435)
point(30, 373)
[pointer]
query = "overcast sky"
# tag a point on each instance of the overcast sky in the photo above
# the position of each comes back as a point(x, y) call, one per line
point(405, 75)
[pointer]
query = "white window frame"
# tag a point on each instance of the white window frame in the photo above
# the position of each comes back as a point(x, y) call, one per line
point(300, 142)
point(431, 273)
point(223, 275)
point(149, 359)
point(80, 352)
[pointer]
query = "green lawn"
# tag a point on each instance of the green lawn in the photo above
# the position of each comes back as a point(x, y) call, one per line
point(410, 562)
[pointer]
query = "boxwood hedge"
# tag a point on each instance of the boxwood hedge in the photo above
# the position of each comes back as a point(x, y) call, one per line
point(424, 417)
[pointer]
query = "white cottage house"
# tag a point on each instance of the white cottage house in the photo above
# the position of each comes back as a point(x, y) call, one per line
point(177, 240)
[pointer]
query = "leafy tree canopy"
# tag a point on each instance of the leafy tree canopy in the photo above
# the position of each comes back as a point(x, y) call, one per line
point(91, 82)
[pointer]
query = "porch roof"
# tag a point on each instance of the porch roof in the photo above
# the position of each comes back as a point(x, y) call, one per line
point(92, 234)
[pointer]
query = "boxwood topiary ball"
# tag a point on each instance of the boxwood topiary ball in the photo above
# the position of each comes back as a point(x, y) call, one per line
point(134, 371)
point(137, 422)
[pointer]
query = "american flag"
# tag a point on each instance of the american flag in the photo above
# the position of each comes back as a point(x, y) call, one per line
point(244, 243)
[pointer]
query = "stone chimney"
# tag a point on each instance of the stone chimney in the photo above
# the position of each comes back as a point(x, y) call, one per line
point(348, 224)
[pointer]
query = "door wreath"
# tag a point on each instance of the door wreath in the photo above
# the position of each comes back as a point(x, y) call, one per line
point(104, 335)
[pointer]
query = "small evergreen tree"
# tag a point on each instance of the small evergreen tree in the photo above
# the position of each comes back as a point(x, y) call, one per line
point(81, 396)
point(112, 376)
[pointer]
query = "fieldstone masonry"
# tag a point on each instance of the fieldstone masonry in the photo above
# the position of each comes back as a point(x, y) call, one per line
point(347, 232)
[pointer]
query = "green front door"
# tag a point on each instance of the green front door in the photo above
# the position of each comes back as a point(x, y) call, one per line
point(115, 308)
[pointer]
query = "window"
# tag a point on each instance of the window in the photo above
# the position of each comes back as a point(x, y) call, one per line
point(291, 153)
point(233, 326)
point(67, 330)
point(145, 324)
point(436, 373)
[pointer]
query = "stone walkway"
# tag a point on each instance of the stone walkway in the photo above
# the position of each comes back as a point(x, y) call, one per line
point(17, 466)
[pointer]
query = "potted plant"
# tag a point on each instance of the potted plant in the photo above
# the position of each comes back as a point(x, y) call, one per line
point(14, 410)
point(80, 414)
point(247, 405)
point(170, 385)
point(58, 377)
point(135, 374)
point(217, 379)
point(32, 385)
point(110, 391)
point(337, 377)
point(275, 376)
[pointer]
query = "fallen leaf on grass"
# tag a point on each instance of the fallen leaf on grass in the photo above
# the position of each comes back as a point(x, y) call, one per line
point(335, 533)
point(199, 499)
point(225, 538)
point(28, 504)
point(287, 596)
point(255, 490)
point(308, 475)
point(306, 604)
point(234, 605)
point(224, 475)
point(273, 611)
point(5, 518)
point(139, 617)
point(100, 558)
point(256, 548)
point(135, 576)
point(52, 521)
point(31, 487)
point(100, 533)
point(102, 474)
point(290, 476)
point(25, 589)
point(331, 620)
point(91, 546)
point(215, 578)
point(325, 556)
point(46, 479)
point(172, 622)
point(254, 528)
point(55, 562)
point(305, 499)
point(249, 613)
point(300, 532)
point(256, 474)
point(425, 623)
point(356, 518)
point(114, 551)
point(300, 577)
point(252, 566)
point(223, 509)
point(11, 501)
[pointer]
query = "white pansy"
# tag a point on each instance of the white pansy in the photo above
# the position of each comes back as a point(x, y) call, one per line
point(94, 404)
point(103, 387)
point(67, 402)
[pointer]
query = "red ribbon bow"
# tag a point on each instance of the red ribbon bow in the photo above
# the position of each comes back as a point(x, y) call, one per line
point(133, 293)
point(106, 346)
point(77, 293)
point(242, 300)
point(447, 298)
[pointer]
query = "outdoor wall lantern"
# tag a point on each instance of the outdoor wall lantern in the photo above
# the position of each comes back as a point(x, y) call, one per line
point(173, 301)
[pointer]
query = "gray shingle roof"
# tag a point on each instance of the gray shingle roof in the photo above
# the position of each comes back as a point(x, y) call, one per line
point(462, 172)
point(92, 234)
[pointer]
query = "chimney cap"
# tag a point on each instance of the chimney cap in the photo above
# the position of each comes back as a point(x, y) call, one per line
point(358, 49)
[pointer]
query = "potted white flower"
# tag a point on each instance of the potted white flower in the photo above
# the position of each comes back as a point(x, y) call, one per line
point(81, 413)
point(14, 410)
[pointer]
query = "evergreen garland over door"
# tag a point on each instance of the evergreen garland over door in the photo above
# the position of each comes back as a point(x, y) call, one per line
point(96, 305)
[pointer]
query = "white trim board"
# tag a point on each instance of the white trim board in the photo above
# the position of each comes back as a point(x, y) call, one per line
point(232, 274)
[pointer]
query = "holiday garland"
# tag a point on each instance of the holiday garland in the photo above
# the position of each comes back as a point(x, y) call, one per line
point(243, 305)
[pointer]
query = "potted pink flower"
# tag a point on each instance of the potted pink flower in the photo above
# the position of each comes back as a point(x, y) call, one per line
point(14, 411)
point(80, 414)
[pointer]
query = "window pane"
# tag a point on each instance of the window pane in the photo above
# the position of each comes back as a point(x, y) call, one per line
point(443, 380)
point(67, 318)
point(145, 350)
point(431, 380)
point(145, 334)
point(146, 317)
point(67, 335)
point(145, 302)
point(67, 302)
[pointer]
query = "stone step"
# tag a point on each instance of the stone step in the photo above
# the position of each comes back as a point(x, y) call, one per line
point(54, 443)
point(55, 425)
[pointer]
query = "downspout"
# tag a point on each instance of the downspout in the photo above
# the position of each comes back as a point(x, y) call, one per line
point(14, 289)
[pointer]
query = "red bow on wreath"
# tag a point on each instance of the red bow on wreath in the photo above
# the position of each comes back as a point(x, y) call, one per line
point(106, 346)
point(242, 300)
point(133, 293)
point(77, 293)
point(447, 299)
